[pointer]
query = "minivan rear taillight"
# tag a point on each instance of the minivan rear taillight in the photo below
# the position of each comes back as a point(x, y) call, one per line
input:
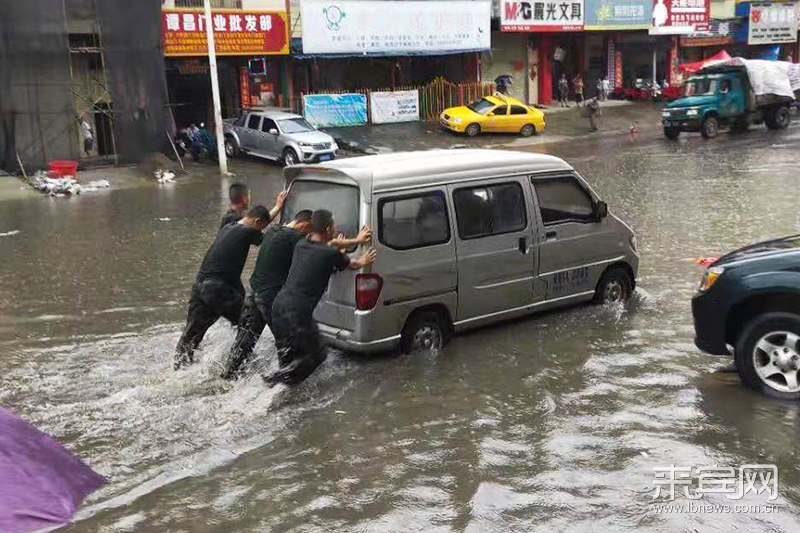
point(368, 290)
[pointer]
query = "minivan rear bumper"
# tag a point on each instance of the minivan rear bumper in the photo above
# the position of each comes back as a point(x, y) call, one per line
point(342, 339)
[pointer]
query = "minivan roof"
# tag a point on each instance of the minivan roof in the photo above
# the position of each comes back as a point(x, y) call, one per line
point(406, 170)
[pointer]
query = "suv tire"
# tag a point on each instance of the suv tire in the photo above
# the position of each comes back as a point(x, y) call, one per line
point(768, 355)
point(290, 158)
point(231, 148)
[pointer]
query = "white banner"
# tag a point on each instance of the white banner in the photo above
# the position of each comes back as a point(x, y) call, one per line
point(547, 15)
point(397, 106)
point(392, 27)
point(772, 24)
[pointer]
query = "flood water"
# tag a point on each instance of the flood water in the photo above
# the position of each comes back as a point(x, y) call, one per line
point(551, 423)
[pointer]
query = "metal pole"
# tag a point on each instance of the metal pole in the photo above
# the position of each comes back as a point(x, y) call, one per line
point(655, 79)
point(212, 66)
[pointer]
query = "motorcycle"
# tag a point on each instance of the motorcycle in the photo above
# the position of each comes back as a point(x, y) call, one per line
point(204, 144)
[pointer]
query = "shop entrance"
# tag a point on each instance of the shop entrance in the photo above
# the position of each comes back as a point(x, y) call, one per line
point(567, 56)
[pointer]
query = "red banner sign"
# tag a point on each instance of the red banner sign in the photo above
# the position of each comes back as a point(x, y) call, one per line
point(673, 17)
point(236, 33)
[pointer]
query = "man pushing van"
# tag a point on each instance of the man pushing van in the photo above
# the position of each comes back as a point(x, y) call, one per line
point(269, 275)
point(218, 291)
point(300, 349)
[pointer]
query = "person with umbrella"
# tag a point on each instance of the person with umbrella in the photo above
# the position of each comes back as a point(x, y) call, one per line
point(41, 483)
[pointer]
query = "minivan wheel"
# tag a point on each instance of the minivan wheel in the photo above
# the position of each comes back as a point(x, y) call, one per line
point(290, 158)
point(424, 332)
point(527, 130)
point(615, 286)
point(472, 130)
point(768, 355)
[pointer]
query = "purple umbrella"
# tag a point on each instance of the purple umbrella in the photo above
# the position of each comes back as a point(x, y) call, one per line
point(41, 483)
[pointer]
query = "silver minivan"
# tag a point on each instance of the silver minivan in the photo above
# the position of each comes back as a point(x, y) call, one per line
point(464, 238)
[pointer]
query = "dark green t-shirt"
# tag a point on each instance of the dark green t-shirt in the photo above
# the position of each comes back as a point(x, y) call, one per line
point(274, 259)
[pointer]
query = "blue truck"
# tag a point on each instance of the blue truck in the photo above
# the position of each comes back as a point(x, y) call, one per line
point(734, 94)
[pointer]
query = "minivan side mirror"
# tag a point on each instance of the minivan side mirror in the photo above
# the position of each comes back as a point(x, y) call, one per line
point(273, 131)
point(600, 210)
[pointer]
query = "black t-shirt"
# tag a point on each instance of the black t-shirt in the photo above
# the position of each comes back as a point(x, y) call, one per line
point(274, 259)
point(230, 217)
point(313, 264)
point(226, 257)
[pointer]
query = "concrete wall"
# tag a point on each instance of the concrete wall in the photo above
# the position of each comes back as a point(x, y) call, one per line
point(509, 55)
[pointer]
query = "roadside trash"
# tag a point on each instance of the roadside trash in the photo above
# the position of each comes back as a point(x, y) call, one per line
point(9, 233)
point(96, 185)
point(55, 186)
point(164, 176)
point(43, 484)
point(164, 219)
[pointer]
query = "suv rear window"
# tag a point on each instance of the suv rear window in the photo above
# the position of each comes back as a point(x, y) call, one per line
point(413, 221)
point(339, 199)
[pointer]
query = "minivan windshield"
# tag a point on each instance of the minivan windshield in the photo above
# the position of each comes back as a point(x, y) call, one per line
point(295, 125)
point(339, 199)
point(701, 86)
point(482, 106)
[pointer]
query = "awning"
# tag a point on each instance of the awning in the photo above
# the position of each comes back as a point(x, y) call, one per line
point(691, 68)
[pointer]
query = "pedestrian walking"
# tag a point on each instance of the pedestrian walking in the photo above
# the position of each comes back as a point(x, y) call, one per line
point(300, 349)
point(577, 86)
point(593, 108)
point(606, 88)
point(218, 290)
point(600, 94)
point(563, 91)
point(88, 137)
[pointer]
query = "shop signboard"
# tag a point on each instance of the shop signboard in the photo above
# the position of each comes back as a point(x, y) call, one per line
point(772, 24)
point(544, 15)
point(395, 106)
point(370, 27)
point(333, 110)
point(680, 17)
point(618, 14)
point(236, 33)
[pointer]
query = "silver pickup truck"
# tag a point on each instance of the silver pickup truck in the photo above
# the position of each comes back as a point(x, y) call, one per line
point(279, 136)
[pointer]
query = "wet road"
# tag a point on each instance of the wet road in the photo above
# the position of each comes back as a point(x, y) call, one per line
point(551, 423)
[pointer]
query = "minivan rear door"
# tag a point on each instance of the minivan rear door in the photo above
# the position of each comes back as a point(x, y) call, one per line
point(337, 307)
point(494, 246)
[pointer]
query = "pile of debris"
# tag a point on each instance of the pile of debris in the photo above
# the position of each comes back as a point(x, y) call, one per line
point(60, 186)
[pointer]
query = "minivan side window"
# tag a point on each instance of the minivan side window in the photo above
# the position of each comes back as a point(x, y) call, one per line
point(490, 210)
point(563, 200)
point(413, 221)
point(252, 122)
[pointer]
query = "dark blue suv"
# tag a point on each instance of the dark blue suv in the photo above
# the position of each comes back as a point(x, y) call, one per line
point(749, 305)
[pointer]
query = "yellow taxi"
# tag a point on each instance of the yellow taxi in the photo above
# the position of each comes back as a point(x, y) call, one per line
point(496, 113)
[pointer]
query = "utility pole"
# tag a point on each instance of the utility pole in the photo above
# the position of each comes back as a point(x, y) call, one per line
point(212, 67)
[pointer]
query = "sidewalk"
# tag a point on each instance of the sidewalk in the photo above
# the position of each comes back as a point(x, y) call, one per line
point(563, 124)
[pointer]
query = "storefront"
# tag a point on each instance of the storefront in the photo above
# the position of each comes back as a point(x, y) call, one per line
point(555, 36)
point(617, 45)
point(370, 45)
point(251, 47)
point(768, 31)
